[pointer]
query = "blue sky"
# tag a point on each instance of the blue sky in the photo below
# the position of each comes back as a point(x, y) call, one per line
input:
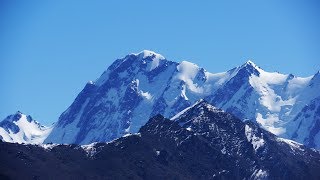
point(49, 50)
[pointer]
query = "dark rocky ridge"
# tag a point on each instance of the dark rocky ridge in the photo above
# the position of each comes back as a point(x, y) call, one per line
point(201, 143)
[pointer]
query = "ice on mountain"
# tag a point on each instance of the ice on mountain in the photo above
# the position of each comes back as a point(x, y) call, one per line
point(256, 141)
point(90, 149)
point(48, 146)
point(259, 174)
point(293, 145)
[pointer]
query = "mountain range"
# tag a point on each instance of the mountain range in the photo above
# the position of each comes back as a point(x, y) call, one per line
point(147, 117)
point(139, 86)
point(200, 142)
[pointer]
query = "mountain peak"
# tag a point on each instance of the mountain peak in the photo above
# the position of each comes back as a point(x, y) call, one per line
point(152, 59)
point(14, 117)
point(200, 107)
point(149, 54)
point(250, 67)
point(18, 116)
point(249, 63)
point(316, 77)
point(203, 103)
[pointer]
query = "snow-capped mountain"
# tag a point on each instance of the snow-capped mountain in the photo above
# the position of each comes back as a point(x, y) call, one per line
point(200, 142)
point(20, 128)
point(142, 85)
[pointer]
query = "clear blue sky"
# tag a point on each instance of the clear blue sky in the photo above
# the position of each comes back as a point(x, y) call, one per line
point(49, 50)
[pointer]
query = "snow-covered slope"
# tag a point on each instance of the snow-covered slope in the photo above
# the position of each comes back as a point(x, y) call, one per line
point(306, 125)
point(272, 99)
point(142, 85)
point(20, 128)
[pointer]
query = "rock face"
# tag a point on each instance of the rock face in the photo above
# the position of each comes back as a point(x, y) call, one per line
point(142, 85)
point(201, 142)
point(20, 128)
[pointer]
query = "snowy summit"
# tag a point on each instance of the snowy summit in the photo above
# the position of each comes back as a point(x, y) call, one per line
point(20, 128)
